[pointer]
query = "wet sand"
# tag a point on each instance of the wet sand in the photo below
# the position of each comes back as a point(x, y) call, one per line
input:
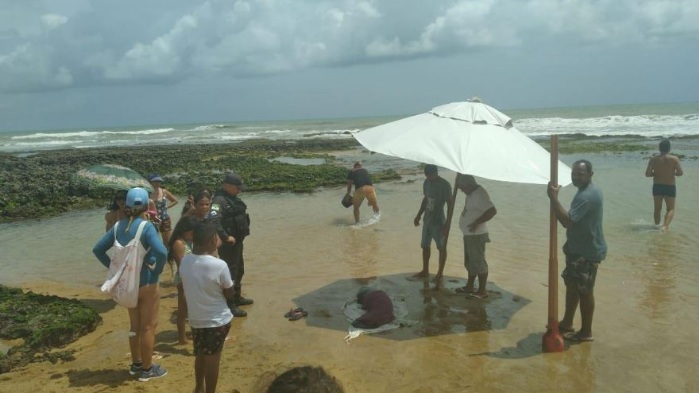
point(303, 252)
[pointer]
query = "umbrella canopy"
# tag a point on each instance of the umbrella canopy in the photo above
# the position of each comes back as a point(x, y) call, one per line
point(467, 137)
point(111, 176)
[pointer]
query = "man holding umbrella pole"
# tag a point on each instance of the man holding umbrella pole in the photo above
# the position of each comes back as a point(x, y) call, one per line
point(584, 249)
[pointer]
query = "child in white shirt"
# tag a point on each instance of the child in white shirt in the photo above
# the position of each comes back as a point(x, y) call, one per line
point(207, 286)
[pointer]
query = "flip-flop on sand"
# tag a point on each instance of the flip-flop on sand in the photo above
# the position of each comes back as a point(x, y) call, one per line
point(476, 295)
point(565, 329)
point(463, 290)
point(298, 315)
point(577, 337)
point(292, 311)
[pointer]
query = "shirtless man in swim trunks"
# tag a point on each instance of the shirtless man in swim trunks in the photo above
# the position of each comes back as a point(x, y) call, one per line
point(663, 168)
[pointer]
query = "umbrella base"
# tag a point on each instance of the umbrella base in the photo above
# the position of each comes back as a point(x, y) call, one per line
point(552, 341)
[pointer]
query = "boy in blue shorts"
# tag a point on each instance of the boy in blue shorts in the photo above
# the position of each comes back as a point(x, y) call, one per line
point(436, 193)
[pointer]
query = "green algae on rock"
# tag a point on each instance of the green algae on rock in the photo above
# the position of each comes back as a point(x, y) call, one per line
point(39, 185)
point(43, 322)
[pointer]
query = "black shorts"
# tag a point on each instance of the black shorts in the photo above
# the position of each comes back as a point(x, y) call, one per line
point(668, 190)
point(209, 341)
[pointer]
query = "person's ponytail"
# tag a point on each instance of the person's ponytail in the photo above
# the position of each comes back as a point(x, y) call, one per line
point(133, 212)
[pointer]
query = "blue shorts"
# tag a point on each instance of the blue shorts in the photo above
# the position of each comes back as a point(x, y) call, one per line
point(430, 232)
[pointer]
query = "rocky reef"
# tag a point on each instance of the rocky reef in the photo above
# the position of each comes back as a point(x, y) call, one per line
point(38, 324)
point(42, 184)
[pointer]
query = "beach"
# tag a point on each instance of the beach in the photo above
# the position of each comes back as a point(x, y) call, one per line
point(280, 100)
point(304, 252)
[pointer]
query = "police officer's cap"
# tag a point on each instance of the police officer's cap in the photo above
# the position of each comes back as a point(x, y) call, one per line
point(232, 178)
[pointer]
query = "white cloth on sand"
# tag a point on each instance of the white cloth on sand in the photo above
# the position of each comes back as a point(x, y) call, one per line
point(354, 310)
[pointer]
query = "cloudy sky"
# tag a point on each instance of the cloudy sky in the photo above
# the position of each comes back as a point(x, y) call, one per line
point(100, 63)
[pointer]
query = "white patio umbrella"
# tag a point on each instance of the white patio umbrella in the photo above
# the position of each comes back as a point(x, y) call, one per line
point(467, 137)
point(476, 139)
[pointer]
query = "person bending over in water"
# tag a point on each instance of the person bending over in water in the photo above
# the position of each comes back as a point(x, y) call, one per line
point(663, 168)
point(363, 188)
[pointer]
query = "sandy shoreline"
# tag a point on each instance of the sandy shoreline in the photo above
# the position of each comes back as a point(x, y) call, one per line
point(102, 357)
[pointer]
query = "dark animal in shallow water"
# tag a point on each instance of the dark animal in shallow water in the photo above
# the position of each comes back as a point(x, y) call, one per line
point(379, 309)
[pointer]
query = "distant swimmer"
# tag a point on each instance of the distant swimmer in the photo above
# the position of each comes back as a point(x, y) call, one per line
point(663, 168)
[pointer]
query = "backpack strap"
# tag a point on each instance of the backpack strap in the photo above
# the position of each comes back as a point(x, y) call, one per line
point(116, 225)
point(141, 226)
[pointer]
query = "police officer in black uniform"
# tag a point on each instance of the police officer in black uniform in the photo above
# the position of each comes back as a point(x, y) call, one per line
point(230, 214)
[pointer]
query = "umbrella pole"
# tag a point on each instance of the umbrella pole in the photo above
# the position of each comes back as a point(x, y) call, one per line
point(552, 341)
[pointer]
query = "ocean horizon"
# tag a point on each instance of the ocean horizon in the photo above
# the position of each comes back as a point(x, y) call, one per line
point(667, 120)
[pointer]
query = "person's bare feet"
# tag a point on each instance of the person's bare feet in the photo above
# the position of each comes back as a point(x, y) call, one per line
point(579, 336)
point(478, 295)
point(422, 273)
point(437, 280)
point(565, 328)
point(465, 289)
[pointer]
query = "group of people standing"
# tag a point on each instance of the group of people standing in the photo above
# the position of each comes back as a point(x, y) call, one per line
point(207, 247)
point(437, 193)
point(206, 244)
point(585, 247)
